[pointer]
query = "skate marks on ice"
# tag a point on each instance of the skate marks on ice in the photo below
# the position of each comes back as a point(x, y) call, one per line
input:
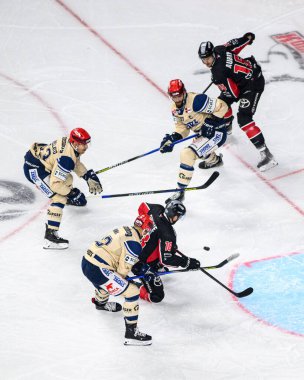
point(15, 199)
point(278, 299)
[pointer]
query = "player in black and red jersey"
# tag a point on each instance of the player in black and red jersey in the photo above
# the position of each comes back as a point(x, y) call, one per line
point(239, 80)
point(159, 248)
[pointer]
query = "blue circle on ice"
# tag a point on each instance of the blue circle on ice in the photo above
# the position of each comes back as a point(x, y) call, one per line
point(278, 297)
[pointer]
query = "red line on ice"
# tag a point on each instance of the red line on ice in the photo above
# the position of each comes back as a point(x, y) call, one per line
point(61, 124)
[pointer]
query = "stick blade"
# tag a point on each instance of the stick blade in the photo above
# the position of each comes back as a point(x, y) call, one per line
point(211, 179)
point(244, 293)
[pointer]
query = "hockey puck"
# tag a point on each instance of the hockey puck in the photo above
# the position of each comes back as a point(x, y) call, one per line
point(207, 248)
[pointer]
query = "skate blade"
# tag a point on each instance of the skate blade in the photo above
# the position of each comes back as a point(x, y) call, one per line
point(268, 166)
point(50, 245)
point(134, 342)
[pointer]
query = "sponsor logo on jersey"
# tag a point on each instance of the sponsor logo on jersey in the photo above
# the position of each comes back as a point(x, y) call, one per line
point(192, 124)
point(60, 175)
point(130, 260)
point(244, 103)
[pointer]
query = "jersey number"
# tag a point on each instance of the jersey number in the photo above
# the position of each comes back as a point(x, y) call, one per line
point(243, 66)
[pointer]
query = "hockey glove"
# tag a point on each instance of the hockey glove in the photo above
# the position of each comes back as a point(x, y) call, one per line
point(192, 264)
point(76, 198)
point(208, 128)
point(140, 268)
point(166, 144)
point(93, 182)
point(250, 36)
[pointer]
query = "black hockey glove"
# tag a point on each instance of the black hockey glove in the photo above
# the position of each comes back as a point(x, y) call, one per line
point(192, 264)
point(140, 268)
point(250, 36)
point(166, 144)
point(76, 198)
point(93, 182)
point(208, 128)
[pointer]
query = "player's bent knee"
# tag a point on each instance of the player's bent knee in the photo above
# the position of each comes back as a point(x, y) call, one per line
point(131, 292)
point(156, 298)
point(187, 157)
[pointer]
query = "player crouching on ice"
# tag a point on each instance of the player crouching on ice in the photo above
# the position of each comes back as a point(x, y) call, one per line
point(206, 116)
point(159, 248)
point(107, 263)
point(49, 167)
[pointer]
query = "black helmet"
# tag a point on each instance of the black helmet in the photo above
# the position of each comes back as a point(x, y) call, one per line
point(175, 208)
point(205, 49)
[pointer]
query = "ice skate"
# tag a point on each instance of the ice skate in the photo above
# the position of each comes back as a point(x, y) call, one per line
point(133, 337)
point(113, 307)
point(53, 241)
point(212, 161)
point(267, 161)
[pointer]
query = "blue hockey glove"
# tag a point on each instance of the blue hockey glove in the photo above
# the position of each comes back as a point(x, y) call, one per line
point(93, 182)
point(76, 198)
point(166, 144)
point(208, 128)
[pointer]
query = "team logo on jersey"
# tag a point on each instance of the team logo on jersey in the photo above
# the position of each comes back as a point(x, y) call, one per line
point(244, 103)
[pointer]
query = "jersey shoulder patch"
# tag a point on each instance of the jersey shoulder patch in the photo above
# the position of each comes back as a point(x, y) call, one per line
point(202, 103)
point(133, 247)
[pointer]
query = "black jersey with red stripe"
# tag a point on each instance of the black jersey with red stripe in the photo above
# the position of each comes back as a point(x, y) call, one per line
point(232, 74)
point(159, 245)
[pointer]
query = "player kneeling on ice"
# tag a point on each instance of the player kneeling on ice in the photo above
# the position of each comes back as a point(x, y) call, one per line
point(107, 263)
point(201, 114)
point(159, 248)
point(49, 167)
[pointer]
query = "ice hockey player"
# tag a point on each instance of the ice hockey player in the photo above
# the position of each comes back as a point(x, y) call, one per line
point(107, 263)
point(239, 80)
point(49, 167)
point(159, 248)
point(201, 114)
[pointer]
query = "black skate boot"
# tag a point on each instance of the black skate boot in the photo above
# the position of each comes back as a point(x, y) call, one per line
point(216, 161)
point(133, 337)
point(107, 306)
point(267, 161)
point(177, 196)
point(53, 241)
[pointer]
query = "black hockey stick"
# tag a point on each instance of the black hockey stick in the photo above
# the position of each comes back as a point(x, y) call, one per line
point(209, 181)
point(241, 294)
point(221, 264)
point(142, 155)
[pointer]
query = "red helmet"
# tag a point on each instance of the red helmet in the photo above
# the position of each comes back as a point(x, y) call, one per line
point(144, 222)
point(80, 136)
point(176, 87)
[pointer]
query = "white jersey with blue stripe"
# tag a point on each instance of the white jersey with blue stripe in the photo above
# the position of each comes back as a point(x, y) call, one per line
point(196, 109)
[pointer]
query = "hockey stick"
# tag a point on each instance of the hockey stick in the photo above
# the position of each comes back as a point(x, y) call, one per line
point(244, 293)
point(221, 264)
point(209, 181)
point(141, 155)
point(241, 294)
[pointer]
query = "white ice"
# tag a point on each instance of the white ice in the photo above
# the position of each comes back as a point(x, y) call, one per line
point(104, 66)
